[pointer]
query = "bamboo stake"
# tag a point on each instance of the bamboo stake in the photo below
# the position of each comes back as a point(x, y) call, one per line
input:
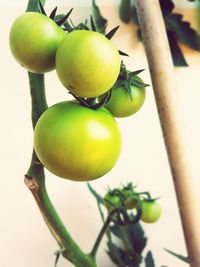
point(162, 75)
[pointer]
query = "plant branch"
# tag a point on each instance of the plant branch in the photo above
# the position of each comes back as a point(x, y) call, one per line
point(103, 231)
point(35, 181)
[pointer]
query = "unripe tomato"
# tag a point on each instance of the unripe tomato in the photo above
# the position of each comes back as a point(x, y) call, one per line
point(34, 39)
point(87, 63)
point(76, 142)
point(112, 201)
point(122, 104)
point(130, 199)
point(151, 211)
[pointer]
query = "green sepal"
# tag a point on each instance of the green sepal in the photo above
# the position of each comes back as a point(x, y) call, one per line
point(111, 33)
point(41, 9)
point(64, 19)
point(53, 13)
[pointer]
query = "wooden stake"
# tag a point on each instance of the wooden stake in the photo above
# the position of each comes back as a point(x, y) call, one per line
point(162, 75)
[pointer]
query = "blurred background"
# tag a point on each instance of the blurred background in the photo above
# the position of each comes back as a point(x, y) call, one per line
point(25, 239)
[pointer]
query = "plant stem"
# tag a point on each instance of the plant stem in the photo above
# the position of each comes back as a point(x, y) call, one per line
point(35, 180)
point(102, 232)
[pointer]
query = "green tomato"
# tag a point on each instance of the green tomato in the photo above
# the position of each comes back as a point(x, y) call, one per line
point(87, 63)
point(112, 201)
point(130, 199)
point(34, 39)
point(125, 197)
point(76, 142)
point(151, 211)
point(122, 104)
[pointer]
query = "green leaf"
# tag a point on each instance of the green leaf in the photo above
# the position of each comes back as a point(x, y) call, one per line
point(177, 55)
point(137, 237)
point(183, 31)
point(98, 198)
point(99, 21)
point(123, 257)
point(116, 254)
point(133, 234)
point(149, 261)
point(180, 257)
point(134, 15)
point(125, 10)
point(34, 5)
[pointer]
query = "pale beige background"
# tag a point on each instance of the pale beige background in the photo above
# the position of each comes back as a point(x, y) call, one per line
point(25, 239)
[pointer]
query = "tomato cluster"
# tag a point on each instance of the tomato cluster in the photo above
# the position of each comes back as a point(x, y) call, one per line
point(77, 140)
point(129, 199)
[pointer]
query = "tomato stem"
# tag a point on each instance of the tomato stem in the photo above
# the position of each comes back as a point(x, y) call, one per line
point(35, 180)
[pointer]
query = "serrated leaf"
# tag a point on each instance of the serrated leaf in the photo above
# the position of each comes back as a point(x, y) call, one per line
point(123, 257)
point(149, 261)
point(177, 55)
point(166, 6)
point(180, 257)
point(183, 31)
point(53, 13)
point(99, 21)
point(132, 233)
point(116, 254)
point(125, 10)
point(137, 237)
point(111, 33)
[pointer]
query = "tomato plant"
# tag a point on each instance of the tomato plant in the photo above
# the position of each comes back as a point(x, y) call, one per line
point(77, 142)
point(87, 63)
point(151, 211)
point(125, 102)
point(34, 39)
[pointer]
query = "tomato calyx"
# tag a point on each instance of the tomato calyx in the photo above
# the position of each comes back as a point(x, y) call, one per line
point(129, 78)
point(60, 20)
point(94, 102)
